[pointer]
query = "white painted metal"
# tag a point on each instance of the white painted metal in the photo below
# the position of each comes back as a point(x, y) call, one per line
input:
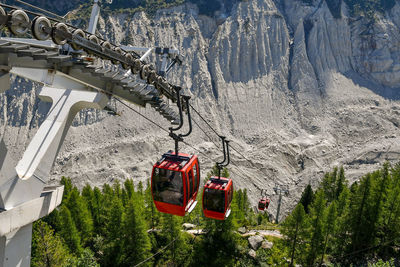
point(94, 17)
point(43, 149)
point(16, 230)
point(149, 51)
point(15, 247)
point(22, 199)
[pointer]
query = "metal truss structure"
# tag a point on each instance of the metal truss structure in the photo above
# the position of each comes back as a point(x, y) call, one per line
point(78, 70)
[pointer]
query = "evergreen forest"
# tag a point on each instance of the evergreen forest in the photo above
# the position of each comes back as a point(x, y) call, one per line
point(336, 224)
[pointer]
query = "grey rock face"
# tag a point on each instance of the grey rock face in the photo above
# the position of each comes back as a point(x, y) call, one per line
point(267, 245)
point(188, 226)
point(252, 253)
point(297, 90)
point(255, 241)
point(242, 230)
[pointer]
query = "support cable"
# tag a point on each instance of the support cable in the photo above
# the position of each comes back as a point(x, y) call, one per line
point(40, 9)
point(155, 254)
point(140, 114)
point(212, 128)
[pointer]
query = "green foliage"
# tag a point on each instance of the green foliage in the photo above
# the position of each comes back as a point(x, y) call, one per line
point(295, 228)
point(307, 198)
point(136, 243)
point(119, 226)
point(48, 249)
point(68, 231)
point(368, 8)
point(317, 220)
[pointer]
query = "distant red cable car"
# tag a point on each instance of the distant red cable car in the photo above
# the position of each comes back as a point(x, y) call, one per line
point(217, 198)
point(218, 191)
point(263, 203)
point(175, 183)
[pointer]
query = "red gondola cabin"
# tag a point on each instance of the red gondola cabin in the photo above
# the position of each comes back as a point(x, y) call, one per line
point(263, 203)
point(217, 198)
point(175, 183)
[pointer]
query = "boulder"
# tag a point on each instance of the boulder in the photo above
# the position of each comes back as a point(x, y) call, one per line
point(188, 226)
point(255, 241)
point(267, 245)
point(252, 253)
point(242, 230)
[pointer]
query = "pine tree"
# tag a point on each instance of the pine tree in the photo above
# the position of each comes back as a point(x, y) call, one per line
point(329, 227)
point(340, 183)
point(390, 226)
point(69, 232)
point(152, 216)
point(294, 228)
point(136, 242)
point(67, 183)
point(47, 247)
point(317, 214)
point(328, 185)
point(307, 198)
point(219, 244)
point(341, 238)
point(360, 234)
point(172, 237)
point(113, 248)
point(81, 215)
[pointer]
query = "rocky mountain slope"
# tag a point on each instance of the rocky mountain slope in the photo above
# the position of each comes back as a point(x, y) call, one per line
point(297, 90)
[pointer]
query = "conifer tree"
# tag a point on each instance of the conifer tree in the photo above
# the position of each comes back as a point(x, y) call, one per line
point(80, 214)
point(136, 242)
point(360, 234)
point(152, 215)
point(329, 227)
point(67, 183)
point(390, 226)
point(341, 239)
point(98, 212)
point(47, 247)
point(340, 183)
point(113, 249)
point(294, 228)
point(171, 235)
point(69, 232)
point(307, 198)
point(317, 214)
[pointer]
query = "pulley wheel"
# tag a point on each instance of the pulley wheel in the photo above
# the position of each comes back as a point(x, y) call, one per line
point(41, 28)
point(159, 84)
point(137, 65)
point(60, 40)
point(94, 39)
point(19, 22)
point(2, 12)
point(129, 58)
point(106, 45)
point(80, 33)
point(152, 77)
point(144, 72)
point(119, 51)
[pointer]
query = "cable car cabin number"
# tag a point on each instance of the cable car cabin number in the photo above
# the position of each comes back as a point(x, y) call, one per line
point(217, 198)
point(175, 183)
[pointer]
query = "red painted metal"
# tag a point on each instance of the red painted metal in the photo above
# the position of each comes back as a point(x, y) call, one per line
point(217, 198)
point(166, 197)
point(263, 203)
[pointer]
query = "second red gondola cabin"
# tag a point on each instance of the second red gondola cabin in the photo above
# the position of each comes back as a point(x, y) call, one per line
point(263, 203)
point(175, 183)
point(217, 198)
